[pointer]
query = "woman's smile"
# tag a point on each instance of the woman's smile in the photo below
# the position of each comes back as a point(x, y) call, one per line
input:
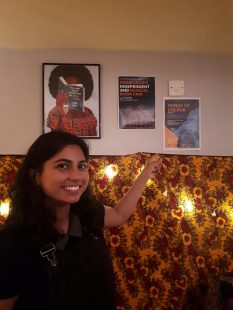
point(72, 188)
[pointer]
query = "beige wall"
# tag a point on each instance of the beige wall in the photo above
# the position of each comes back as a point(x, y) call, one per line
point(207, 77)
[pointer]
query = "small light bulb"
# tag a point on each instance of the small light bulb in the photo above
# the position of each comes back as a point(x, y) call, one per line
point(188, 205)
point(4, 208)
point(214, 213)
point(111, 171)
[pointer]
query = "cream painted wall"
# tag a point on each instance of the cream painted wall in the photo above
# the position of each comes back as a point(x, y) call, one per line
point(207, 77)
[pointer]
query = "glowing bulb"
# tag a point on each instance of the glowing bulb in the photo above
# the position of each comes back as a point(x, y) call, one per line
point(111, 171)
point(214, 213)
point(4, 208)
point(165, 193)
point(188, 205)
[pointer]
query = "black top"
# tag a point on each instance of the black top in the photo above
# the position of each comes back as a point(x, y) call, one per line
point(83, 278)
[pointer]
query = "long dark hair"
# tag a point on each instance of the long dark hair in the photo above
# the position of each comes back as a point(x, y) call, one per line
point(27, 199)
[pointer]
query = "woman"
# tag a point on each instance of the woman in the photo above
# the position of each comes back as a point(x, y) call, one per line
point(53, 254)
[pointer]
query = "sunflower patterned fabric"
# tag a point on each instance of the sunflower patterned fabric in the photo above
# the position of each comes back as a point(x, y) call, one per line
point(180, 233)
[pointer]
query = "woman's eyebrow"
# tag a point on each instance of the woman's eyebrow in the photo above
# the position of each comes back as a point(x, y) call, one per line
point(63, 160)
point(83, 161)
point(69, 161)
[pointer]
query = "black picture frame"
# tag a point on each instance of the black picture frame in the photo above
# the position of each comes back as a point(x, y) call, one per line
point(60, 115)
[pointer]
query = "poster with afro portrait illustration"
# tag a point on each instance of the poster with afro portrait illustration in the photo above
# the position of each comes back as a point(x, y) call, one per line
point(71, 99)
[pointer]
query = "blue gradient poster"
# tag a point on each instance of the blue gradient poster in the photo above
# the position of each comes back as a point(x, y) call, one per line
point(181, 123)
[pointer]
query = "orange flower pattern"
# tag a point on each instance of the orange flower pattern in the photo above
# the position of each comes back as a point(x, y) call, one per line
point(162, 250)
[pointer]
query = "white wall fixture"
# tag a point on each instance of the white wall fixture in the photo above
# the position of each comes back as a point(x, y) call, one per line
point(176, 88)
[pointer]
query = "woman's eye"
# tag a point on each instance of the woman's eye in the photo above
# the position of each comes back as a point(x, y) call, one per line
point(83, 166)
point(62, 166)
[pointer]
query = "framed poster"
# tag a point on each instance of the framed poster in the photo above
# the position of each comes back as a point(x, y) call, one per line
point(136, 102)
point(71, 98)
point(181, 123)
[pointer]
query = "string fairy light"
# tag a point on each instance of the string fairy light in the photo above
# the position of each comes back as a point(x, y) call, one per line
point(4, 208)
point(214, 213)
point(111, 171)
point(186, 203)
point(165, 193)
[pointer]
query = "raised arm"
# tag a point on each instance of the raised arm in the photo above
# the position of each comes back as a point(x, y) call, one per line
point(125, 206)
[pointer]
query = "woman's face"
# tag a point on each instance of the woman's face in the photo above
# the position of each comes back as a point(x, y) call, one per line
point(64, 177)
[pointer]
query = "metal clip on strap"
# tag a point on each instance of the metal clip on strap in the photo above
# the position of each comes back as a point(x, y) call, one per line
point(48, 251)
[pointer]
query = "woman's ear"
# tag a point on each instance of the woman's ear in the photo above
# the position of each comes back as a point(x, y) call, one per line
point(34, 175)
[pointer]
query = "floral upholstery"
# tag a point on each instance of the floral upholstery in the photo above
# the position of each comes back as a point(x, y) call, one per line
point(181, 230)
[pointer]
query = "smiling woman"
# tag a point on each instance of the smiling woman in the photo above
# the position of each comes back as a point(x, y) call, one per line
point(64, 177)
point(53, 253)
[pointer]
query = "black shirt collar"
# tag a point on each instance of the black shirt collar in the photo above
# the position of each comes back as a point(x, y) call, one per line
point(75, 230)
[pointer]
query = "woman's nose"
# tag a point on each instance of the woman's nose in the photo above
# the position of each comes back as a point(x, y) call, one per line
point(74, 174)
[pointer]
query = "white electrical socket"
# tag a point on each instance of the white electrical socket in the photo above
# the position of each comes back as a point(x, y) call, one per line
point(176, 88)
